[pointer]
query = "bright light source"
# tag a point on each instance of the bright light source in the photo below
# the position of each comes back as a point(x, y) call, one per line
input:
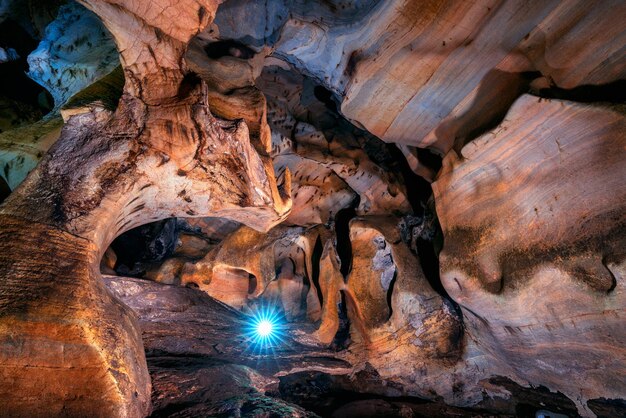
point(264, 328)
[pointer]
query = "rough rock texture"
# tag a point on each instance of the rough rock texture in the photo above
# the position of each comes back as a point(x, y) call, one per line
point(75, 62)
point(330, 167)
point(534, 247)
point(434, 74)
point(22, 148)
point(200, 359)
point(76, 50)
point(102, 177)
point(248, 264)
point(393, 299)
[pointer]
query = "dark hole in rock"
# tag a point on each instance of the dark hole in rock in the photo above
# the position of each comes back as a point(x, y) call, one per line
point(614, 92)
point(315, 266)
point(190, 81)
point(342, 229)
point(390, 293)
point(325, 96)
point(429, 159)
point(342, 338)
point(5, 190)
point(140, 247)
point(228, 48)
point(252, 283)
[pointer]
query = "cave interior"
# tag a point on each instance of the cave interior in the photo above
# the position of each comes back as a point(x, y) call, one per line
point(312, 208)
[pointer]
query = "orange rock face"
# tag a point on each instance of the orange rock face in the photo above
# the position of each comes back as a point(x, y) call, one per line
point(533, 251)
point(106, 174)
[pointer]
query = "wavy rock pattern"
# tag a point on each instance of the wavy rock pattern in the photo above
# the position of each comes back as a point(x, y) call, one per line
point(534, 244)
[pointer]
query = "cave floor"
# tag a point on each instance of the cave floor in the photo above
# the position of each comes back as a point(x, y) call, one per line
point(202, 364)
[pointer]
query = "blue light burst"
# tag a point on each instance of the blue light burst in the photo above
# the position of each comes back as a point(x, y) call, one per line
point(265, 329)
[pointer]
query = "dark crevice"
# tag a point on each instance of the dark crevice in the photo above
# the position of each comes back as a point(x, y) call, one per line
point(342, 340)
point(429, 159)
point(418, 190)
point(316, 256)
point(342, 231)
point(604, 263)
point(5, 190)
point(614, 92)
point(252, 283)
point(189, 83)
point(219, 49)
point(390, 293)
point(327, 97)
point(344, 252)
point(429, 261)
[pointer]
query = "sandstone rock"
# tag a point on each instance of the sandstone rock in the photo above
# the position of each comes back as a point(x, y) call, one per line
point(441, 73)
point(331, 283)
point(396, 308)
point(23, 147)
point(94, 192)
point(244, 265)
point(75, 51)
point(329, 170)
point(518, 314)
point(104, 94)
point(215, 229)
point(191, 246)
point(107, 264)
point(168, 272)
point(201, 327)
point(533, 247)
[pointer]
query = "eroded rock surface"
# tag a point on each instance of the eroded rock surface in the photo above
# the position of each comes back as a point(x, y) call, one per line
point(76, 50)
point(546, 291)
point(86, 192)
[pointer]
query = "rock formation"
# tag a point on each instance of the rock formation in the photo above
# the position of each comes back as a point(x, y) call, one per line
point(102, 177)
point(425, 198)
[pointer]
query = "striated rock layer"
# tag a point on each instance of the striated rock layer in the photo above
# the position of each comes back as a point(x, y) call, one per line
point(103, 176)
point(533, 219)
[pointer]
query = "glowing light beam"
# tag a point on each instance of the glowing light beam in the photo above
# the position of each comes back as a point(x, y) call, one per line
point(265, 329)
